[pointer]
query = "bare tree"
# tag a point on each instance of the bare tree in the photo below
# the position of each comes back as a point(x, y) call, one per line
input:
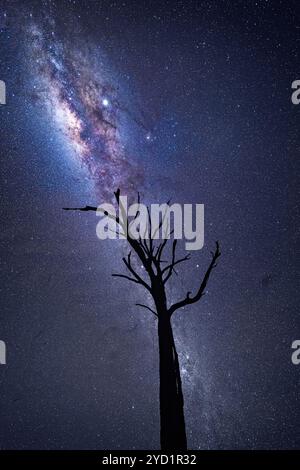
point(159, 271)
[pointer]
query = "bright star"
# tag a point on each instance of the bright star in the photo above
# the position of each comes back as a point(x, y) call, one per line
point(105, 102)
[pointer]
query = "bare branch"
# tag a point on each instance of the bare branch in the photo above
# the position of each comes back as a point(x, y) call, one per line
point(95, 209)
point(171, 266)
point(86, 208)
point(150, 256)
point(135, 244)
point(148, 308)
point(138, 211)
point(135, 274)
point(190, 300)
point(126, 277)
point(186, 258)
point(162, 221)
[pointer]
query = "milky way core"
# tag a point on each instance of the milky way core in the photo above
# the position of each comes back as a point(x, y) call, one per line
point(85, 107)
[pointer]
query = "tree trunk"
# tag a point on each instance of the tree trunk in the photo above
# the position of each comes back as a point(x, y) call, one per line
point(172, 424)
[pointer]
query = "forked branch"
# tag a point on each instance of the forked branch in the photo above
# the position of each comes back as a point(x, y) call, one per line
point(191, 300)
point(150, 255)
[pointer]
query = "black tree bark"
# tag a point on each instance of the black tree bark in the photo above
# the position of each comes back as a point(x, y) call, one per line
point(173, 434)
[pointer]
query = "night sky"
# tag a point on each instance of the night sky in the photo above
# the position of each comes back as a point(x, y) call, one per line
point(188, 100)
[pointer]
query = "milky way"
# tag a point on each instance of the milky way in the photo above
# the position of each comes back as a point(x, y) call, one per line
point(86, 108)
point(214, 80)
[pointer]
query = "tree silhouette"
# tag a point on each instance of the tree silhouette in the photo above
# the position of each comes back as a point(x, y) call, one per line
point(150, 253)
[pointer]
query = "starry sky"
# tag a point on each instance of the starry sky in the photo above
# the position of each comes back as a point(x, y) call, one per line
point(189, 100)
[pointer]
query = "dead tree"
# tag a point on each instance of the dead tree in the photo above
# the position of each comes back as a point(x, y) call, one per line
point(159, 271)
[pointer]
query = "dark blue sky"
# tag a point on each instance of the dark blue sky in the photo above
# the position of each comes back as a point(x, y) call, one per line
point(200, 99)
